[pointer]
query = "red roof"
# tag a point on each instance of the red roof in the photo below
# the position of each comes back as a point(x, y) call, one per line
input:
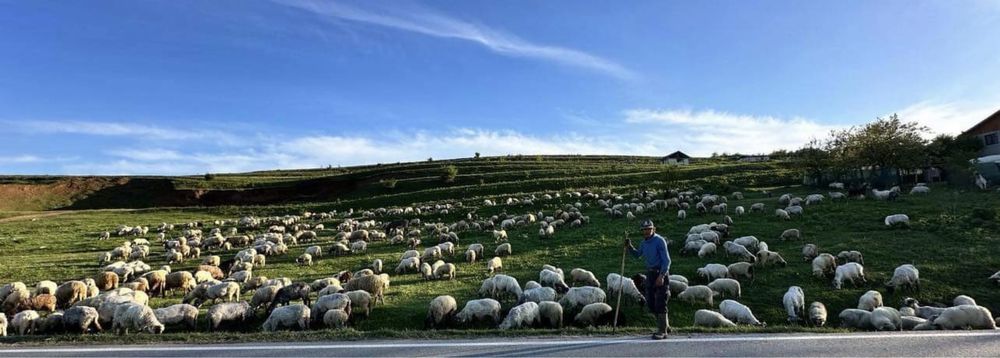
point(993, 119)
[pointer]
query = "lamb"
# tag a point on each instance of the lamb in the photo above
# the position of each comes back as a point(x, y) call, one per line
point(132, 316)
point(824, 265)
point(595, 314)
point(851, 256)
point(523, 315)
point(229, 312)
point(581, 296)
point(713, 271)
point(791, 234)
point(886, 319)
point(503, 250)
point(494, 265)
point(870, 301)
point(69, 293)
point(925, 312)
point(712, 319)
point(25, 322)
point(440, 311)
point(765, 258)
point(335, 301)
point(794, 301)
point(809, 252)
point(554, 279)
point(738, 313)
point(856, 318)
point(817, 314)
point(263, 296)
point(336, 318)
point(550, 314)
point(851, 271)
point(616, 282)
point(408, 264)
point(963, 300)
point(584, 276)
point(485, 308)
point(965, 317)
point(726, 286)
point(176, 314)
point(741, 270)
point(80, 319)
point(287, 316)
point(700, 293)
point(376, 285)
point(904, 276)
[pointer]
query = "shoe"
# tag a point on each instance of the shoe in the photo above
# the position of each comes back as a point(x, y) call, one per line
point(659, 336)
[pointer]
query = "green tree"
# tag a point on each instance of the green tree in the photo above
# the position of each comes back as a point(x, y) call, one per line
point(449, 173)
point(813, 160)
point(883, 144)
point(477, 155)
point(954, 155)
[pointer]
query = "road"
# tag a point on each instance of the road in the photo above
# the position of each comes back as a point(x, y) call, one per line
point(950, 344)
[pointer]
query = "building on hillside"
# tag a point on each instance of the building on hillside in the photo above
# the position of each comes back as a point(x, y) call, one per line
point(676, 158)
point(754, 158)
point(988, 132)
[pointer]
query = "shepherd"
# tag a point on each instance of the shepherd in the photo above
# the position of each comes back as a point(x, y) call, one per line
point(654, 250)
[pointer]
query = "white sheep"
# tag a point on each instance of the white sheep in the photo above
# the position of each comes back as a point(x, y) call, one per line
point(594, 314)
point(739, 313)
point(553, 278)
point(910, 323)
point(478, 310)
point(229, 312)
point(856, 318)
point(503, 249)
point(870, 300)
point(726, 287)
point(707, 249)
point(713, 271)
point(886, 319)
point(493, 265)
point(740, 211)
point(782, 214)
point(504, 285)
point(440, 311)
point(578, 297)
point(765, 258)
point(627, 287)
point(920, 189)
point(791, 234)
point(809, 252)
point(823, 265)
point(25, 322)
point(584, 276)
point(521, 316)
point(925, 312)
point(336, 319)
point(499, 235)
point(851, 271)
point(709, 318)
point(287, 317)
point(408, 264)
point(681, 214)
point(794, 301)
point(133, 316)
point(470, 256)
point(304, 260)
point(537, 294)
point(965, 317)
point(550, 314)
point(699, 293)
point(817, 314)
point(897, 219)
point(904, 276)
point(741, 270)
point(963, 300)
point(176, 314)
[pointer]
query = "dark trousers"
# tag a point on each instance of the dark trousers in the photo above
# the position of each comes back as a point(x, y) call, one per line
point(656, 297)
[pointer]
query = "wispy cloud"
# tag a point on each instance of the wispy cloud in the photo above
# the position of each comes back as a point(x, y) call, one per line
point(430, 23)
point(19, 159)
point(946, 117)
point(107, 128)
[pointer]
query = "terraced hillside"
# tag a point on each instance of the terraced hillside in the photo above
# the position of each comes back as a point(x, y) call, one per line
point(952, 238)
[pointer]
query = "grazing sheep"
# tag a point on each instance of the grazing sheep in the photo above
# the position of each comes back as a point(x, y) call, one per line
point(470, 256)
point(376, 285)
point(499, 235)
point(287, 317)
point(870, 301)
point(361, 302)
point(523, 315)
point(856, 318)
point(851, 256)
point(181, 279)
point(408, 264)
point(80, 319)
point(757, 207)
point(584, 276)
point(440, 311)
point(431, 253)
point(25, 322)
point(965, 317)
point(595, 314)
point(44, 303)
point(963, 300)
point(314, 251)
point(70, 292)
point(741, 270)
point(304, 260)
point(817, 314)
point(897, 219)
point(782, 214)
point(726, 287)
point(851, 271)
point(132, 316)
point(824, 265)
point(920, 189)
point(426, 272)
point(336, 319)
point(791, 234)
point(44, 287)
point(886, 319)
point(739, 211)
point(904, 276)
point(766, 258)
point(550, 314)
point(481, 309)
point(738, 313)
point(925, 312)
point(712, 319)
point(910, 323)
point(681, 214)
point(751, 243)
point(263, 296)
point(286, 294)
point(359, 246)
point(713, 271)
point(176, 314)
point(554, 279)
point(335, 301)
point(478, 248)
point(809, 252)
point(706, 250)
point(578, 297)
point(377, 266)
point(616, 282)
point(695, 294)
point(503, 250)
point(494, 265)
point(531, 284)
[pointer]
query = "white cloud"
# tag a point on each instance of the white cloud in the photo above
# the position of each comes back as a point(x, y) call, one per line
point(946, 118)
point(99, 128)
point(429, 23)
point(20, 159)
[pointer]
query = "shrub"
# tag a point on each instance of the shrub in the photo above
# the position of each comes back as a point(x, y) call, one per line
point(449, 173)
point(388, 183)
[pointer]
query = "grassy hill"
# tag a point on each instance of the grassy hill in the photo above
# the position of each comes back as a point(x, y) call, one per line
point(953, 238)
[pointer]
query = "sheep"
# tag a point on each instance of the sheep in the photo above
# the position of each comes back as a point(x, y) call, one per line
point(618, 283)
point(80, 319)
point(359, 246)
point(584, 276)
point(965, 317)
point(377, 266)
point(441, 310)
point(695, 294)
point(314, 251)
point(431, 253)
point(478, 248)
point(24, 322)
point(851, 271)
point(408, 264)
point(749, 242)
point(907, 311)
point(681, 214)
point(765, 258)
point(791, 234)
point(726, 286)
point(69, 293)
point(794, 302)
point(338, 249)
point(706, 250)
point(361, 302)
point(523, 315)
point(286, 294)
point(850, 256)
point(537, 294)
point(44, 287)
point(485, 308)
point(426, 272)
point(920, 189)
point(181, 279)
point(782, 214)
point(712, 319)
point(304, 260)
point(132, 316)
point(230, 291)
point(550, 314)
point(817, 314)
point(809, 252)
point(824, 265)
point(499, 235)
point(870, 301)
point(494, 265)
point(376, 285)
point(739, 211)
point(963, 300)
point(794, 210)
point(336, 301)
point(336, 318)
point(287, 316)
point(594, 314)
point(910, 323)
point(886, 319)
point(179, 313)
point(675, 287)
point(855, 318)
point(904, 276)
point(44, 302)
point(470, 256)
point(503, 250)
point(694, 245)
point(713, 271)
point(741, 270)
point(581, 296)
point(739, 313)
point(554, 279)
point(925, 312)
point(214, 271)
point(263, 296)
point(757, 207)
point(446, 270)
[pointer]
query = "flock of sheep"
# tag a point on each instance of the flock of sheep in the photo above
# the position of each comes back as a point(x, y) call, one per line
point(120, 292)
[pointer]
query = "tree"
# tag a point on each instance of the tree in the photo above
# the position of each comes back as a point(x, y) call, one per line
point(449, 174)
point(884, 144)
point(953, 154)
point(477, 155)
point(813, 159)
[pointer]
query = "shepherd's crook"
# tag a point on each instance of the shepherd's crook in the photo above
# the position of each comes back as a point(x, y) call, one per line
point(621, 284)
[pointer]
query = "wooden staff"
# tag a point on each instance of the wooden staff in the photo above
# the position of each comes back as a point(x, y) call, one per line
point(621, 285)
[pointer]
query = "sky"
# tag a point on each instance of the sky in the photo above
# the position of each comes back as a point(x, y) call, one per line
point(189, 87)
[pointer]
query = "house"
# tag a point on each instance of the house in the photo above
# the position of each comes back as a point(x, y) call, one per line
point(988, 132)
point(676, 158)
point(754, 158)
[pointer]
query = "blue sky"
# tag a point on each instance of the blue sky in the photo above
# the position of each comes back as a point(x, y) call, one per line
point(187, 87)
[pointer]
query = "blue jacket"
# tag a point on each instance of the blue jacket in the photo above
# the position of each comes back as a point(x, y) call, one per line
point(654, 250)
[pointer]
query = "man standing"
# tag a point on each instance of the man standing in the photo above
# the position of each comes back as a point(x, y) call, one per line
point(654, 250)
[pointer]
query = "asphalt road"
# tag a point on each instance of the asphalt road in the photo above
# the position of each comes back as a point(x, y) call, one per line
point(912, 344)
